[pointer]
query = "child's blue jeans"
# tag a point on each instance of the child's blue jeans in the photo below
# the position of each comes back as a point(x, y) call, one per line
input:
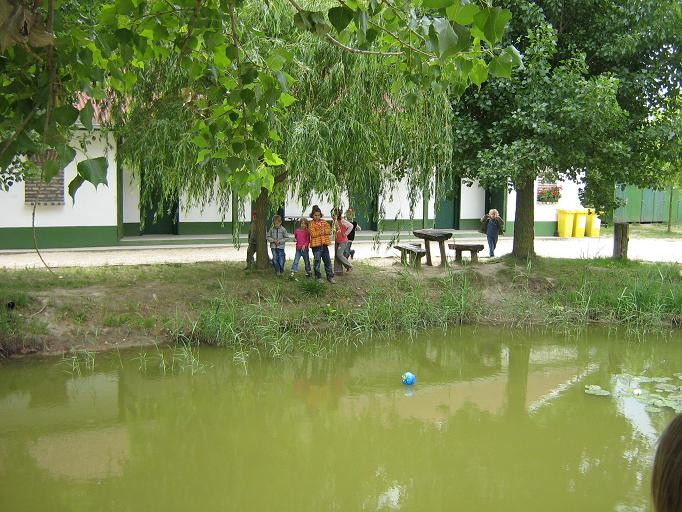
point(301, 253)
point(278, 258)
point(322, 253)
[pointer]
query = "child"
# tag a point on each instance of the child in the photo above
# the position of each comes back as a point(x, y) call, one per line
point(492, 225)
point(277, 237)
point(666, 478)
point(251, 249)
point(319, 241)
point(350, 215)
point(343, 227)
point(302, 236)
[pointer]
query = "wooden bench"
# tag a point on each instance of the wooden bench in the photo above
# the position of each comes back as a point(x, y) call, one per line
point(472, 248)
point(413, 251)
point(434, 235)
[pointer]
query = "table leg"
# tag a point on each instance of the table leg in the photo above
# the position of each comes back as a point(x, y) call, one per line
point(474, 256)
point(443, 256)
point(428, 253)
point(458, 255)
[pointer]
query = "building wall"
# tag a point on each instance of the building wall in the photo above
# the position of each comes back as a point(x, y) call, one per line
point(472, 205)
point(89, 221)
point(546, 214)
point(131, 203)
point(398, 215)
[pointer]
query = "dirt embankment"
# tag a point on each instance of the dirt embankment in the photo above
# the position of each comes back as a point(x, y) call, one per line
point(109, 307)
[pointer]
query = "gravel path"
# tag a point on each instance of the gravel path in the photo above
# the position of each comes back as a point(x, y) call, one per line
point(654, 249)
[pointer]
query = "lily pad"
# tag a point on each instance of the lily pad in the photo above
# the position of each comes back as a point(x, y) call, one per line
point(663, 386)
point(593, 389)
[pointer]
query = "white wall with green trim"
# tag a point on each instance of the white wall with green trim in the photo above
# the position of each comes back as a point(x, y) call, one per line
point(93, 207)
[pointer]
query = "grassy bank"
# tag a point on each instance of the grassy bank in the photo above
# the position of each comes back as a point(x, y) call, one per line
point(218, 304)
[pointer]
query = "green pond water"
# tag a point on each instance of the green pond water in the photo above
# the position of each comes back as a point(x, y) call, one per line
point(498, 420)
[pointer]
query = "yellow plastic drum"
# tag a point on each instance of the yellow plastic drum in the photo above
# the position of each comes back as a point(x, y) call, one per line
point(593, 224)
point(565, 221)
point(579, 222)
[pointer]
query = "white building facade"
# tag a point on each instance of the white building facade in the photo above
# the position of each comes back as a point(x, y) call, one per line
point(110, 215)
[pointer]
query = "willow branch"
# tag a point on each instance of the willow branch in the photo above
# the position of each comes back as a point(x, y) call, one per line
point(398, 12)
point(347, 48)
point(395, 36)
point(403, 43)
point(359, 51)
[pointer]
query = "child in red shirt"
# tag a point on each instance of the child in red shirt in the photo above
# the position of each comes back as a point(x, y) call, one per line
point(302, 236)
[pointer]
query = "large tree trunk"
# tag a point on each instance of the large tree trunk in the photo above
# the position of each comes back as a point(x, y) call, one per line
point(621, 238)
point(261, 209)
point(524, 232)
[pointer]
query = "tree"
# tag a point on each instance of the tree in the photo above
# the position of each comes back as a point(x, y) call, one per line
point(535, 126)
point(237, 85)
point(243, 90)
point(614, 60)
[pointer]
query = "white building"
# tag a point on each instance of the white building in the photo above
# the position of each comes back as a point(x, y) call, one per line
point(110, 215)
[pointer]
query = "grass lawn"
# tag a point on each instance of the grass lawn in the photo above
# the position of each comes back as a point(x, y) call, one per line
point(218, 303)
point(648, 231)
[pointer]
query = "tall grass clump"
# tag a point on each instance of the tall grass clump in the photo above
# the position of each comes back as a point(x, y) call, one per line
point(638, 295)
point(416, 304)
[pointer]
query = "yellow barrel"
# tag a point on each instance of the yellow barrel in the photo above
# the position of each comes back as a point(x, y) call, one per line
point(593, 224)
point(565, 221)
point(579, 222)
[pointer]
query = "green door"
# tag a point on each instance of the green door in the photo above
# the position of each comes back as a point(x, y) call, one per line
point(494, 198)
point(447, 213)
point(159, 222)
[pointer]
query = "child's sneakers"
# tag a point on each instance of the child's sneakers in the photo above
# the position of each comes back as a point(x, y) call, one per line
point(331, 280)
point(291, 276)
point(308, 274)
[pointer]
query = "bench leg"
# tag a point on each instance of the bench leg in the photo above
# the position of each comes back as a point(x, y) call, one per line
point(418, 261)
point(428, 253)
point(403, 257)
point(412, 256)
point(443, 256)
point(458, 255)
point(474, 256)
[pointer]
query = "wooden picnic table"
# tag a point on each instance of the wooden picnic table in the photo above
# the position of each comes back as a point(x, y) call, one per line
point(434, 235)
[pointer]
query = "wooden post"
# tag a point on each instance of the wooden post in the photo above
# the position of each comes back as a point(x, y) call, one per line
point(620, 240)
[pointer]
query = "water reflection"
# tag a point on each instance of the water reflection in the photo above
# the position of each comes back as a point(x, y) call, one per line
point(497, 420)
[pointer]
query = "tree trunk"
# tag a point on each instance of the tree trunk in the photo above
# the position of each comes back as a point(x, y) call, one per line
point(261, 210)
point(620, 240)
point(670, 211)
point(524, 232)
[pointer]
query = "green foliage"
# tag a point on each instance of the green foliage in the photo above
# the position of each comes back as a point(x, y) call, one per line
point(236, 84)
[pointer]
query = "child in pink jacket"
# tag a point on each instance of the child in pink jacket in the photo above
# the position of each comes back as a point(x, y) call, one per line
point(302, 236)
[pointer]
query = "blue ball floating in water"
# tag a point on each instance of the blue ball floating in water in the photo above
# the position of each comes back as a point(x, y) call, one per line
point(409, 378)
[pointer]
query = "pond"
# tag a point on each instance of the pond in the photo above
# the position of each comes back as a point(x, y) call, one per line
point(498, 420)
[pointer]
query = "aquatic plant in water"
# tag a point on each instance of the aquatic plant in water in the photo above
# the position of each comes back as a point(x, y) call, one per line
point(657, 393)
